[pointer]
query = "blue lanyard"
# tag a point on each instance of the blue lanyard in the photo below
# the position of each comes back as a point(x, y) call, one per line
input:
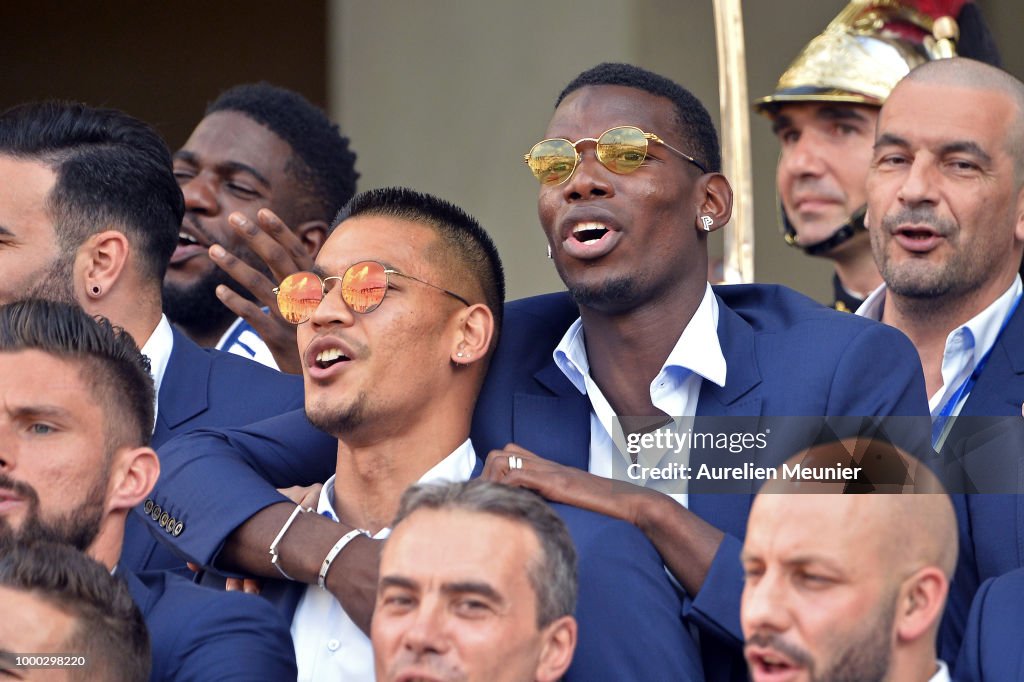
point(939, 425)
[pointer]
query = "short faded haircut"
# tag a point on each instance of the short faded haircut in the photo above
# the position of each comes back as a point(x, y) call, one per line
point(111, 364)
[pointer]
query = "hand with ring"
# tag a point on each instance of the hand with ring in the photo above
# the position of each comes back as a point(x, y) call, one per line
point(519, 467)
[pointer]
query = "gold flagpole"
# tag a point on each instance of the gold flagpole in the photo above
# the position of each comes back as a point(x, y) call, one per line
point(736, 162)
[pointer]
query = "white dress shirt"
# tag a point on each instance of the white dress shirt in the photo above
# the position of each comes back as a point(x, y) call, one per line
point(942, 674)
point(965, 346)
point(241, 339)
point(328, 644)
point(158, 349)
point(696, 356)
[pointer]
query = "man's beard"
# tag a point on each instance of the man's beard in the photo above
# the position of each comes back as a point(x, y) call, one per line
point(965, 269)
point(863, 655)
point(57, 283)
point(338, 423)
point(611, 294)
point(196, 306)
point(77, 527)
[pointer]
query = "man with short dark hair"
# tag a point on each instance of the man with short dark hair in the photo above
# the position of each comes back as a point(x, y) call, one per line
point(56, 601)
point(90, 213)
point(396, 331)
point(257, 147)
point(497, 608)
point(77, 408)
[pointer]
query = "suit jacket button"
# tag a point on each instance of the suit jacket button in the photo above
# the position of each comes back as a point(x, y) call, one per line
point(178, 529)
point(163, 519)
point(148, 507)
point(156, 512)
point(170, 524)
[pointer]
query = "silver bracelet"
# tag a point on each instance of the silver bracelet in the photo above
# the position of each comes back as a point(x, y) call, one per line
point(274, 556)
point(331, 555)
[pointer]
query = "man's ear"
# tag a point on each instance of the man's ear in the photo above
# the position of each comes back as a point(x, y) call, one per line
point(920, 604)
point(133, 474)
point(714, 207)
point(99, 265)
point(559, 643)
point(1018, 225)
point(312, 234)
point(474, 334)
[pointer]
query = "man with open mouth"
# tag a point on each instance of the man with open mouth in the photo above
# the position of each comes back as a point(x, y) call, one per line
point(258, 147)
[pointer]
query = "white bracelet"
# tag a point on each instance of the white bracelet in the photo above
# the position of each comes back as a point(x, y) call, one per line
point(331, 555)
point(274, 556)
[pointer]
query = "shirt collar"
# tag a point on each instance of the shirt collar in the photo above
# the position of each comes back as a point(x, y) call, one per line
point(158, 349)
point(458, 466)
point(942, 674)
point(697, 350)
point(982, 329)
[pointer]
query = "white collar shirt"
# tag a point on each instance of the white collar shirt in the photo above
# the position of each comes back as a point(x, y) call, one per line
point(696, 356)
point(328, 644)
point(942, 674)
point(158, 349)
point(241, 339)
point(965, 346)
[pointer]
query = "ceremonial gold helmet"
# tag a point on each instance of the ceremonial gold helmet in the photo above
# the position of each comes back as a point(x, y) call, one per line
point(863, 53)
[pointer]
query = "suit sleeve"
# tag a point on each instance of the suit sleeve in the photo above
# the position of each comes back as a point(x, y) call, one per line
point(243, 640)
point(212, 481)
point(968, 665)
point(629, 613)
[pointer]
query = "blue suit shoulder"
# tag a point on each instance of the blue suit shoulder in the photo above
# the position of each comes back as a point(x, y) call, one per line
point(993, 647)
point(201, 634)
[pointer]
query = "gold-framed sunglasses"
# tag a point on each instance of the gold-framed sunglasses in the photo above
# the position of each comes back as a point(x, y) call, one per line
point(621, 150)
point(363, 287)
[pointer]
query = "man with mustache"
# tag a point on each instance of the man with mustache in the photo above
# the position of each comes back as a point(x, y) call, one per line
point(76, 414)
point(846, 587)
point(946, 218)
point(257, 147)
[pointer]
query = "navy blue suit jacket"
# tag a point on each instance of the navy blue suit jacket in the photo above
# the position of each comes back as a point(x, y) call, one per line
point(991, 525)
point(201, 634)
point(203, 388)
point(993, 648)
point(786, 355)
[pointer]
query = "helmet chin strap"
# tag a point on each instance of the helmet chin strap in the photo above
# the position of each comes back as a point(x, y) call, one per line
point(842, 234)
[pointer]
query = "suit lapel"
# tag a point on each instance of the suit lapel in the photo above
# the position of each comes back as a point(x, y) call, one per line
point(184, 388)
point(740, 396)
point(554, 423)
point(1000, 388)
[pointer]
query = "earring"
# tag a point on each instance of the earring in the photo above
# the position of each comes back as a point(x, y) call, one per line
point(707, 221)
point(549, 251)
point(460, 354)
point(95, 290)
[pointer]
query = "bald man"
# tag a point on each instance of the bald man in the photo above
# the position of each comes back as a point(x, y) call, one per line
point(836, 590)
point(946, 219)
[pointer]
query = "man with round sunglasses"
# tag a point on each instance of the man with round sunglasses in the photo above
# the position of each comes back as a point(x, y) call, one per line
point(396, 330)
point(629, 241)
